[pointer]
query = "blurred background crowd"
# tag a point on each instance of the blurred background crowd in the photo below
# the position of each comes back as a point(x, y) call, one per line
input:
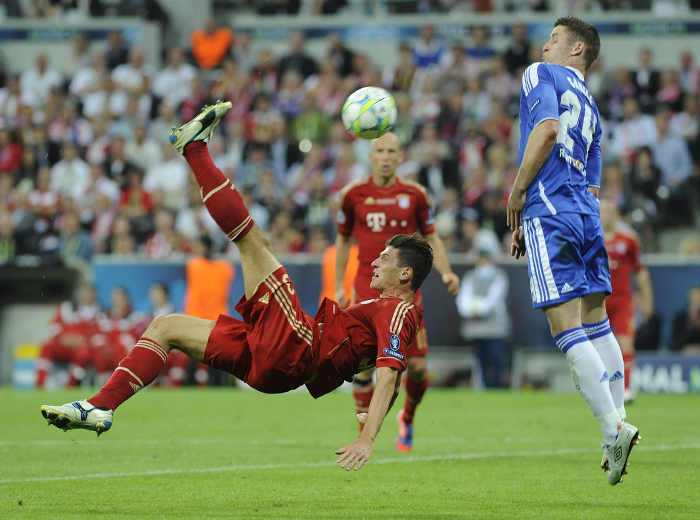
point(86, 166)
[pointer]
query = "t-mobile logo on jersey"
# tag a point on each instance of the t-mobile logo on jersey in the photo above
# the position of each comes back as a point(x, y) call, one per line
point(376, 221)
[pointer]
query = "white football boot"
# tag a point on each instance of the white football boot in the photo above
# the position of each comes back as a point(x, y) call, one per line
point(78, 415)
point(201, 127)
point(619, 452)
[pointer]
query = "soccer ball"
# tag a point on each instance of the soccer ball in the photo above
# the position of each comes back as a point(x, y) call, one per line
point(369, 112)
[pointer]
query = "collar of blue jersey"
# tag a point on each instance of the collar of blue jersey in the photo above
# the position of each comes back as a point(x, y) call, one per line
point(578, 72)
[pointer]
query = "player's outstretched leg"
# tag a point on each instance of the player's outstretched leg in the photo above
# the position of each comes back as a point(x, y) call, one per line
point(136, 371)
point(416, 386)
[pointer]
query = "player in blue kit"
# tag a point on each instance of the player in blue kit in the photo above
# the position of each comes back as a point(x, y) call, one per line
point(554, 212)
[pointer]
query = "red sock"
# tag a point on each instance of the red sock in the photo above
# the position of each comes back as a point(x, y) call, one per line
point(628, 360)
point(363, 395)
point(137, 370)
point(223, 201)
point(414, 395)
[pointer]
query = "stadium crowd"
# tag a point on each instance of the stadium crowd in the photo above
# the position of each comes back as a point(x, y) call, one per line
point(86, 166)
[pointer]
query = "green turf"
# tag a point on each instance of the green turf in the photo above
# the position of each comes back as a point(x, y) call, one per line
point(222, 453)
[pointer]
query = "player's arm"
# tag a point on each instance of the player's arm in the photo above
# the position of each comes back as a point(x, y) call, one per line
point(355, 455)
point(442, 264)
point(646, 293)
point(539, 146)
point(342, 255)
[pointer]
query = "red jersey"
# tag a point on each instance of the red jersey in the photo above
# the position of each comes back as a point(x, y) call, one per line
point(625, 257)
point(373, 333)
point(74, 323)
point(376, 214)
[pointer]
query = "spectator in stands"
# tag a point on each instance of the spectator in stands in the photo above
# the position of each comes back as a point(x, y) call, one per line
point(673, 159)
point(481, 303)
point(636, 129)
point(165, 240)
point(311, 124)
point(72, 328)
point(265, 73)
point(100, 186)
point(645, 179)
point(97, 149)
point(233, 85)
point(689, 74)
point(160, 127)
point(116, 164)
point(80, 55)
point(11, 102)
point(193, 104)
point(217, 150)
point(616, 90)
point(117, 52)
point(74, 243)
point(499, 83)
point(687, 125)
point(128, 77)
point(400, 76)
point(37, 82)
point(476, 101)
point(71, 175)
point(142, 150)
point(670, 94)
point(11, 9)
point(425, 105)
point(68, 126)
point(686, 325)
point(8, 243)
point(646, 81)
point(135, 202)
point(428, 51)
point(261, 120)
point(244, 53)
point(481, 49)
point(10, 152)
point(517, 55)
point(291, 94)
point(257, 161)
point(297, 59)
point(173, 83)
point(339, 53)
point(211, 44)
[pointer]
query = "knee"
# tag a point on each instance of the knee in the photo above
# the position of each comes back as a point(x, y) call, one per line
point(160, 329)
point(417, 369)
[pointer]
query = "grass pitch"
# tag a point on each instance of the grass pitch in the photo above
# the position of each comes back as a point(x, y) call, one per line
point(224, 453)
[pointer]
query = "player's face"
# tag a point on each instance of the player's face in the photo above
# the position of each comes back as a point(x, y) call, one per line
point(557, 50)
point(385, 155)
point(386, 273)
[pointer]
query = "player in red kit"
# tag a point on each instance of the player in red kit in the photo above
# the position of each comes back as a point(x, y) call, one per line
point(624, 254)
point(373, 210)
point(71, 330)
point(277, 347)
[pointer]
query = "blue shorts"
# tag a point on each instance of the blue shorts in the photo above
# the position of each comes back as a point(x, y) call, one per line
point(566, 258)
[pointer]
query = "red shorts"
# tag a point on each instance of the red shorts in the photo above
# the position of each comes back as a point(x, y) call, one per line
point(621, 314)
point(271, 349)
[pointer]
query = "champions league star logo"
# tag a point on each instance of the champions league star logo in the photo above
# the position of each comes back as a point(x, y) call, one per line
point(394, 342)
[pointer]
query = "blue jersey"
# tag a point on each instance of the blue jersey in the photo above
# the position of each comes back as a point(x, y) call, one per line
point(561, 186)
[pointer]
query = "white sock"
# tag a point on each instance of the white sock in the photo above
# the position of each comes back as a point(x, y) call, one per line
point(590, 378)
point(605, 343)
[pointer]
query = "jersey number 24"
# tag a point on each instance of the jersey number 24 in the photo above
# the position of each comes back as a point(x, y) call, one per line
point(570, 119)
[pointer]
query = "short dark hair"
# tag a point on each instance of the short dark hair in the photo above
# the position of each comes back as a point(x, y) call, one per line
point(583, 32)
point(414, 252)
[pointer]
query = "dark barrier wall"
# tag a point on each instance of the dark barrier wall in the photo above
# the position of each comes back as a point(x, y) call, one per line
point(671, 283)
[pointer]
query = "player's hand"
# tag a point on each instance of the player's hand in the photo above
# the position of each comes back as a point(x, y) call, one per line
point(516, 203)
point(355, 454)
point(341, 300)
point(517, 245)
point(451, 280)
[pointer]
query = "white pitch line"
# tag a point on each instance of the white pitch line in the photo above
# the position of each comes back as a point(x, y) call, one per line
point(393, 460)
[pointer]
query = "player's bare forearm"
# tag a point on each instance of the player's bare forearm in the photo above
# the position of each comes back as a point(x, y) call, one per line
point(537, 151)
point(646, 292)
point(442, 264)
point(342, 256)
point(595, 190)
point(355, 454)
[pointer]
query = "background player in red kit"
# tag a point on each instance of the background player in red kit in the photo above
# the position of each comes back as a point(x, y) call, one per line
point(71, 329)
point(625, 258)
point(374, 209)
point(277, 347)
